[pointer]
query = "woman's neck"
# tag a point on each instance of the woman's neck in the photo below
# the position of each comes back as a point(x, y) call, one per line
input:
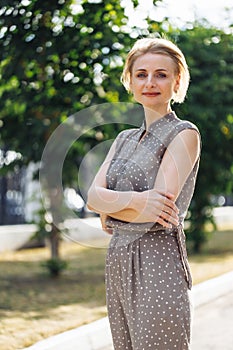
point(154, 115)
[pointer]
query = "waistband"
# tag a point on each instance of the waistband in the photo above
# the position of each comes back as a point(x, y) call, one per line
point(177, 231)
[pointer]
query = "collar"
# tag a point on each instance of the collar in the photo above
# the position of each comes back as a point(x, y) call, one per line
point(166, 118)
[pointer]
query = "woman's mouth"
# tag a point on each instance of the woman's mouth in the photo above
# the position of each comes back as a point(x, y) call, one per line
point(151, 94)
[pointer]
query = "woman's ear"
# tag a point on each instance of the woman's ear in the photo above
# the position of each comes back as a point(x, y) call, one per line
point(177, 83)
point(130, 87)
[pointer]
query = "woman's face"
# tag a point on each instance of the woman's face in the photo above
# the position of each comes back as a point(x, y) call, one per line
point(154, 81)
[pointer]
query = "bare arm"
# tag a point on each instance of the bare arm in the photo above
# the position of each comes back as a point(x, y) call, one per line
point(178, 162)
point(130, 206)
point(103, 200)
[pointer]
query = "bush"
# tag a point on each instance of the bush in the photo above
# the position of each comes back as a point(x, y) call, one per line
point(55, 266)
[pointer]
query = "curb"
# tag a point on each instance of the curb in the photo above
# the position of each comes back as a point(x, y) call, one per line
point(93, 336)
point(205, 292)
point(97, 335)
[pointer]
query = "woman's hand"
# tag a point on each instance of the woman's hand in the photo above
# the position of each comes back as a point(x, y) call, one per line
point(103, 218)
point(156, 206)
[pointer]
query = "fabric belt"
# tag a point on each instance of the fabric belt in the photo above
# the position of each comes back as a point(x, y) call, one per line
point(127, 237)
point(178, 232)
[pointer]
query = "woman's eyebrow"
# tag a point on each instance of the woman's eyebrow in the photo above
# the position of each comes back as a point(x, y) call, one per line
point(156, 70)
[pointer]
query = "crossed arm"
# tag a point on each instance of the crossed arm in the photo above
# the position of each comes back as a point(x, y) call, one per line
point(158, 204)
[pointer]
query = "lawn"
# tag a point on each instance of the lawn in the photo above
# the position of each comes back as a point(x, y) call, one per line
point(33, 306)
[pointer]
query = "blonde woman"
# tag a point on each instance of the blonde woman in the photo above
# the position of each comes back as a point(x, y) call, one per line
point(142, 193)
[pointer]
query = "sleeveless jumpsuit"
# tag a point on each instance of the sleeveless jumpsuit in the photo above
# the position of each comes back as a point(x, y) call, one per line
point(147, 272)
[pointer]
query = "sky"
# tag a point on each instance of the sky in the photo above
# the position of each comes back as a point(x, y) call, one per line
point(181, 11)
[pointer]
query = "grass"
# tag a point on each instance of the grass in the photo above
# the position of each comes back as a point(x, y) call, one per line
point(216, 257)
point(33, 306)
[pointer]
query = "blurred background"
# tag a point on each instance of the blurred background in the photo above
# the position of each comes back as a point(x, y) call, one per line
point(58, 58)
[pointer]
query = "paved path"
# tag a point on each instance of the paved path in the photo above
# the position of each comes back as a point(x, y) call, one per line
point(213, 325)
point(212, 329)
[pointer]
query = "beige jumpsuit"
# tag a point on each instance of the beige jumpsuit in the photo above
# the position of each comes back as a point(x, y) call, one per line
point(147, 271)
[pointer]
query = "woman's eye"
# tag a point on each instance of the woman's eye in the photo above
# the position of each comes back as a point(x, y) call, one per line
point(161, 75)
point(141, 75)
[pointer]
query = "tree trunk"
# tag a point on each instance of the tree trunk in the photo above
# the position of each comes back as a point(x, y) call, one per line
point(3, 191)
point(3, 187)
point(54, 242)
point(56, 211)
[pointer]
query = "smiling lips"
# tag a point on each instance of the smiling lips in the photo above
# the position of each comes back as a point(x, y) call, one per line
point(151, 94)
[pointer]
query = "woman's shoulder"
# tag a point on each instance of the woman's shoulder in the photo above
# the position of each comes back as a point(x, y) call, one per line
point(183, 124)
point(127, 133)
point(178, 126)
point(124, 137)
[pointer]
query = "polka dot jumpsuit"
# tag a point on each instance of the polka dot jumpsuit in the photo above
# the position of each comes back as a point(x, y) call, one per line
point(147, 272)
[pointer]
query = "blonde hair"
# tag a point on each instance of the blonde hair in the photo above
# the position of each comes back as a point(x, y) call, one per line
point(163, 47)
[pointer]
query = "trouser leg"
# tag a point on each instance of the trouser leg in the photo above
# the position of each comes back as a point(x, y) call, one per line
point(116, 313)
point(147, 296)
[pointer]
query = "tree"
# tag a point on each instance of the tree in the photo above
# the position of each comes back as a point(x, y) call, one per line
point(57, 57)
point(51, 64)
point(209, 53)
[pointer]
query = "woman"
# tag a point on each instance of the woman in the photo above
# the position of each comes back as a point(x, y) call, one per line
point(142, 193)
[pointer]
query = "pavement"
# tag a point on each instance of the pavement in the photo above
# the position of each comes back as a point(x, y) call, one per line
point(212, 323)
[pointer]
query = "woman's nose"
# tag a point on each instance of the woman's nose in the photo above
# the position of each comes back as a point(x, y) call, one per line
point(150, 82)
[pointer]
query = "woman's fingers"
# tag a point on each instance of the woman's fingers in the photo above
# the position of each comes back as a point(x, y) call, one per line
point(170, 214)
point(158, 207)
point(165, 199)
point(108, 230)
point(164, 223)
point(105, 228)
point(169, 218)
point(165, 194)
point(169, 203)
point(169, 211)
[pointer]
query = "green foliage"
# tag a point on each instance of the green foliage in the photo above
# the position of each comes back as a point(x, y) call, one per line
point(55, 266)
point(58, 58)
point(55, 60)
point(209, 53)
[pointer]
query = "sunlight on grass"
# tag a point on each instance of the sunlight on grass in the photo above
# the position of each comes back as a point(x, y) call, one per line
point(34, 306)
